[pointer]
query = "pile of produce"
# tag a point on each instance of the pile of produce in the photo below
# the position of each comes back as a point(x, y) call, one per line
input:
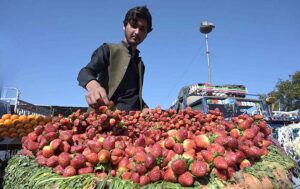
point(162, 149)
point(14, 126)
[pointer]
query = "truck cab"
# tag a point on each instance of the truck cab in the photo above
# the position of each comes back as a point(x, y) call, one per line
point(231, 100)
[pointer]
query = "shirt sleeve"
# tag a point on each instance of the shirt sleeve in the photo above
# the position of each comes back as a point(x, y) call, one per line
point(99, 61)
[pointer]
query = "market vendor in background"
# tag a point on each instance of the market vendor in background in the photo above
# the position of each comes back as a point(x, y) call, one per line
point(116, 71)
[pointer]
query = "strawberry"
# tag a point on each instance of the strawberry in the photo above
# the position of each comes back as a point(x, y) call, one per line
point(169, 143)
point(32, 136)
point(49, 128)
point(104, 156)
point(39, 130)
point(85, 170)
point(156, 150)
point(188, 144)
point(140, 142)
point(150, 161)
point(130, 151)
point(220, 163)
point(69, 171)
point(235, 133)
point(120, 144)
point(144, 180)
point(32, 146)
point(170, 155)
point(245, 163)
point(182, 134)
point(207, 155)
point(140, 157)
point(245, 125)
point(59, 169)
point(122, 165)
point(186, 179)
point(240, 156)
point(131, 166)
point(155, 174)
point(64, 146)
point(266, 143)
point(109, 143)
point(230, 172)
point(41, 160)
point(135, 177)
point(94, 146)
point(92, 158)
point(178, 166)
point(54, 144)
point(189, 155)
point(65, 135)
point(230, 158)
point(199, 168)
point(141, 169)
point(221, 132)
point(202, 141)
point(51, 136)
point(223, 141)
point(257, 140)
point(221, 173)
point(52, 161)
point(214, 147)
point(249, 133)
point(169, 175)
point(232, 143)
point(78, 161)
point(47, 152)
point(64, 159)
point(178, 148)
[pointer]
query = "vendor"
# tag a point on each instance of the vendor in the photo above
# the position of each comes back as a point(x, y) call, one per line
point(116, 71)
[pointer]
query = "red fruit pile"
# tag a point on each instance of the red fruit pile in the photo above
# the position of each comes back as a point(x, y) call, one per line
point(162, 145)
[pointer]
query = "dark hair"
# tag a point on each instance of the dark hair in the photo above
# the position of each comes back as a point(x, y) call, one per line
point(141, 13)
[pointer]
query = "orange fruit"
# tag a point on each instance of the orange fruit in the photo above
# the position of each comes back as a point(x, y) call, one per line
point(19, 125)
point(14, 116)
point(13, 135)
point(16, 121)
point(23, 118)
point(31, 117)
point(12, 130)
point(20, 130)
point(33, 122)
point(4, 134)
point(27, 125)
point(39, 118)
point(7, 123)
point(3, 129)
point(29, 130)
point(22, 134)
point(6, 116)
point(47, 118)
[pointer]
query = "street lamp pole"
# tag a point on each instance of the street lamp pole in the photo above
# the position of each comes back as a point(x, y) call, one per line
point(206, 27)
point(208, 59)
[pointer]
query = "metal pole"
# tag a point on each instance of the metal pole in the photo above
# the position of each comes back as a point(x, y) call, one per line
point(208, 59)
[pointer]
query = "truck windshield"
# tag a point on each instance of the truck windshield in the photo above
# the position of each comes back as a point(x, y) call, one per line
point(240, 106)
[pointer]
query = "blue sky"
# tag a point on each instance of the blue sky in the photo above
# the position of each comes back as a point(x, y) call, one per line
point(44, 44)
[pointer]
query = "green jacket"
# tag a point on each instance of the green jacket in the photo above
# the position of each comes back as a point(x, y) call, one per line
point(118, 64)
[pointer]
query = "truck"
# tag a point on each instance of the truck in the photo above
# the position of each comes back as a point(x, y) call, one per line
point(231, 100)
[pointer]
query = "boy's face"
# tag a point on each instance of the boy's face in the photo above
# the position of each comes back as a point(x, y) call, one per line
point(135, 32)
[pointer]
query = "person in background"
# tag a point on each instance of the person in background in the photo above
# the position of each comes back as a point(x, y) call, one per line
point(116, 71)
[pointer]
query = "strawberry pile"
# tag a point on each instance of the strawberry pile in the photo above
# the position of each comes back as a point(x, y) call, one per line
point(182, 147)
